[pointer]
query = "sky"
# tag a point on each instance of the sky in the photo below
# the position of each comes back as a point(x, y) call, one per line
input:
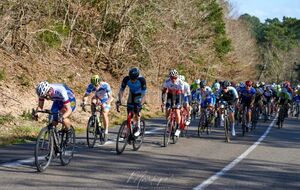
point(264, 9)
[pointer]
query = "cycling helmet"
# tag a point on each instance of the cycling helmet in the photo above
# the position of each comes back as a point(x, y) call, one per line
point(216, 86)
point(181, 77)
point(42, 88)
point(225, 84)
point(134, 73)
point(262, 84)
point(248, 83)
point(207, 90)
point(95, 80)
point(203, 83)
point(242, 85)
point(173, 73)
point(197, 81)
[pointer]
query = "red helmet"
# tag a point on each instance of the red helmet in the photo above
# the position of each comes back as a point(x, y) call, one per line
point(248, 83)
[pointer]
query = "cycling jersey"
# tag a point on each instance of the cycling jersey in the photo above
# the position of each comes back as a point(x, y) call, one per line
point(187, 92)
point(174, 92)
point(103, 93)
point(247, 95)
point(230, 97)
point(284, 98)
point(137, 91)
point(60, 95)
point(209, 100)
point(137, 87)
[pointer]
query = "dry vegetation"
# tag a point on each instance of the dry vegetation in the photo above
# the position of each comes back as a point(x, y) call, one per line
point(66, 41)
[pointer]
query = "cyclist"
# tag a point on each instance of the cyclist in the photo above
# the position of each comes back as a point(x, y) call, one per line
point(174, 89)
point(285, 101)
point(268, 94)
point(186, 99)
point(136, 98)
point(102, 97)
point(230, 95)
point(209, 101)
point(297, 98)
point(247, 96)
point(64, 102)
point(216, 87)
point(195, 85)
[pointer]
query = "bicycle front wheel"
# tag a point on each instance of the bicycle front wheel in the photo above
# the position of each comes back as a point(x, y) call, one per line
point(67, 146)
point(91, 132)
point(167, 133)
point(122, 138)
point(137, 143)
point(43, 152)
point(226, 129)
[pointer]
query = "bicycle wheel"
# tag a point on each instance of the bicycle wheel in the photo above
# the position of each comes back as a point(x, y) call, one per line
point(91, 132)
point(67, 146)
point(122, 138)
point(254, 119)
point(174, 138)
point(244, 124)
point(100, 132)
point(138, 141)
point(226, 129)
point(210, 123)
point(167, 133)
point(43, 152)
point(201, 125)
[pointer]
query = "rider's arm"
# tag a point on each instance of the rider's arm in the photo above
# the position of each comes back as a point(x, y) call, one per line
point(68, 108)
point(122, 88)
point(143, 88)
point(88, 91)
point(40, 104)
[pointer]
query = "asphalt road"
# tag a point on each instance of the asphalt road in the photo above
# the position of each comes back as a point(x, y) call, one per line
point(208, 162)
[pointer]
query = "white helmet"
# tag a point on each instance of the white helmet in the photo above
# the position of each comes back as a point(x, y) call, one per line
point(197, 81)
point(208, 90)
point(181, 77)
point(173, 73)
point(42, 88)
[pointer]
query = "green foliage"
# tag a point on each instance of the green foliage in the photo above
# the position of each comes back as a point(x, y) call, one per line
point(53, 37)
point(24, 80)
point(181, 69)
point(2, 74)
point(6, 118)
point(222, 46)
point(26, 115)
point(112, 27)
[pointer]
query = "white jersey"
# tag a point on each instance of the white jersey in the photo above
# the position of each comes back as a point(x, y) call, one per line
point(174, 88)
point(60, 93)
point(187, 90)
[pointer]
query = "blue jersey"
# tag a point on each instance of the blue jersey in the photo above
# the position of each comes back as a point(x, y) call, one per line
point(247, 95)
point(209, 100)
point(103, 93)
point(138, 87)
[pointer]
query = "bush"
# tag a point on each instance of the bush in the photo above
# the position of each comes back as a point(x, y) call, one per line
point(6, 118)
point(2, 74)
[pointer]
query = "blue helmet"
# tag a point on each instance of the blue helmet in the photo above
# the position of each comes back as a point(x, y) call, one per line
point(134, 73)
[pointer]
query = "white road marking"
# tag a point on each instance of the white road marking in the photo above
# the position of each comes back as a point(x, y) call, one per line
point(213, 178)
point(17, 163)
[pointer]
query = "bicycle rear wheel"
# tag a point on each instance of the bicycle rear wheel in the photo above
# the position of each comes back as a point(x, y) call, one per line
point(138, 141)
point(167, 133)
point(67, 146)
point(122, 138)
point(201, 125)
point(43, 152)
point(91, 132)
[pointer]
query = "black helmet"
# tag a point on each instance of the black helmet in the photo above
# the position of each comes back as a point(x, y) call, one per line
point(225, 84)
point(202, 83)
point(134, 73)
